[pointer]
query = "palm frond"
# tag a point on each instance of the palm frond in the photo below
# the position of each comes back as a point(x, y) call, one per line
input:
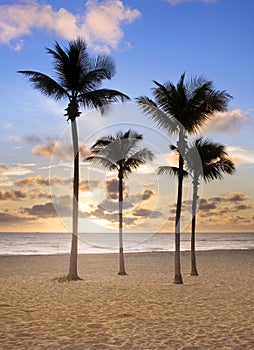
point(218, 101)
point(173, 148)
point(105, 65)
point(215, 170)
point(101, 161)
point(140, 157)
point(100, 98)
point(120, 152)
point(189, 103)
point(76, 70)
point(209, 159)
point(66, 65)
point(171, 171)
point(167, 98)
point(46, 85)
point(128, 142)
point(164, 121)
point(100, 68)
point(144, 154)
point(101, 143)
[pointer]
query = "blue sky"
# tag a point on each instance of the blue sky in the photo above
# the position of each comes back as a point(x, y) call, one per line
point(149, 40)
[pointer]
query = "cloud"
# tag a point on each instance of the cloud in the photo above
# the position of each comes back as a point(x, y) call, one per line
point(39, 187)
point(100, 25)
point(242, 207)
point(143, 212)
point(45, 150)
point(61, 207)
point(87, 185)
point(177, 2)
point(206, 205)
point(19, 20)
point(238, 220)
point(231, 197)
point(57, 150)
point(39, 193)
point(42, 181)
point(236, 197)
point(108, 208)
point(32, 139)
point(11, 218)
point(219, 207)
point(110, 203)
point(12, 195)
point(229, 122)
point(113, 188)
point(241, 156)
point(111, 217)
point(147, 194)
point(13, 171)
point(42, 210)
point(213, 210)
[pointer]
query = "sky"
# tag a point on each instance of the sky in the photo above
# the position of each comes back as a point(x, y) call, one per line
point(148, 40)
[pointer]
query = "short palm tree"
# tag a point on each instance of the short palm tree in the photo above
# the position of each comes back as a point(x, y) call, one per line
point(215, 161)
point(182, 109)
point(78, 80)
point(120, 153)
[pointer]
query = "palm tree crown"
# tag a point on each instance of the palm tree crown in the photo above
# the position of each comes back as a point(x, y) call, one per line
point(78, 78)
point(186, 105)
point(120, 152)
point(213, 158)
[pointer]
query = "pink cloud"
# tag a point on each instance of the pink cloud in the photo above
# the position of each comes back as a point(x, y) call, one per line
point(100, 25)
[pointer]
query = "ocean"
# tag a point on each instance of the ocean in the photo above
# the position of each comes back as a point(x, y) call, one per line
point(20, 243)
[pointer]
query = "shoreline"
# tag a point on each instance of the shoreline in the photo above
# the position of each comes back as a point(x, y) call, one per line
point(33, 244)
point(141, 311)
point(135, 252)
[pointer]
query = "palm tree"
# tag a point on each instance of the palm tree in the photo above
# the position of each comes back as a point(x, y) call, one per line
point(183, 109)
point(78, 79)
point(120, 153)
point(215, 161)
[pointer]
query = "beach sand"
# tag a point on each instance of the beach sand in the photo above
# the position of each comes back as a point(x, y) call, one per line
point(143, 310)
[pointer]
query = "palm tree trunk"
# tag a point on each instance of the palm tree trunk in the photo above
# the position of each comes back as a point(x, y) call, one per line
point(178, 275)
point(73, 269)
point(122, 271)
point(194, 271)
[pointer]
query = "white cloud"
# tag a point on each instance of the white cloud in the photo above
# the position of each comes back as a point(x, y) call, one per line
point(229, 122)
point(13, 171)
point(240, 155)
point(100, 25)
point(19, 20)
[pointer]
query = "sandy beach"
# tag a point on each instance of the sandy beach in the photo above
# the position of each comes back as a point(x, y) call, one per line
point(143, 310)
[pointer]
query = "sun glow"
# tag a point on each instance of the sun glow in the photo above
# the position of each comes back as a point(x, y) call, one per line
point(103, 223)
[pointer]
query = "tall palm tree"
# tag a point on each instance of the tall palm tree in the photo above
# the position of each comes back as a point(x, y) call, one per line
point(120, 153)
point(215, 161)
point(78, 79)
point(182, 109)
